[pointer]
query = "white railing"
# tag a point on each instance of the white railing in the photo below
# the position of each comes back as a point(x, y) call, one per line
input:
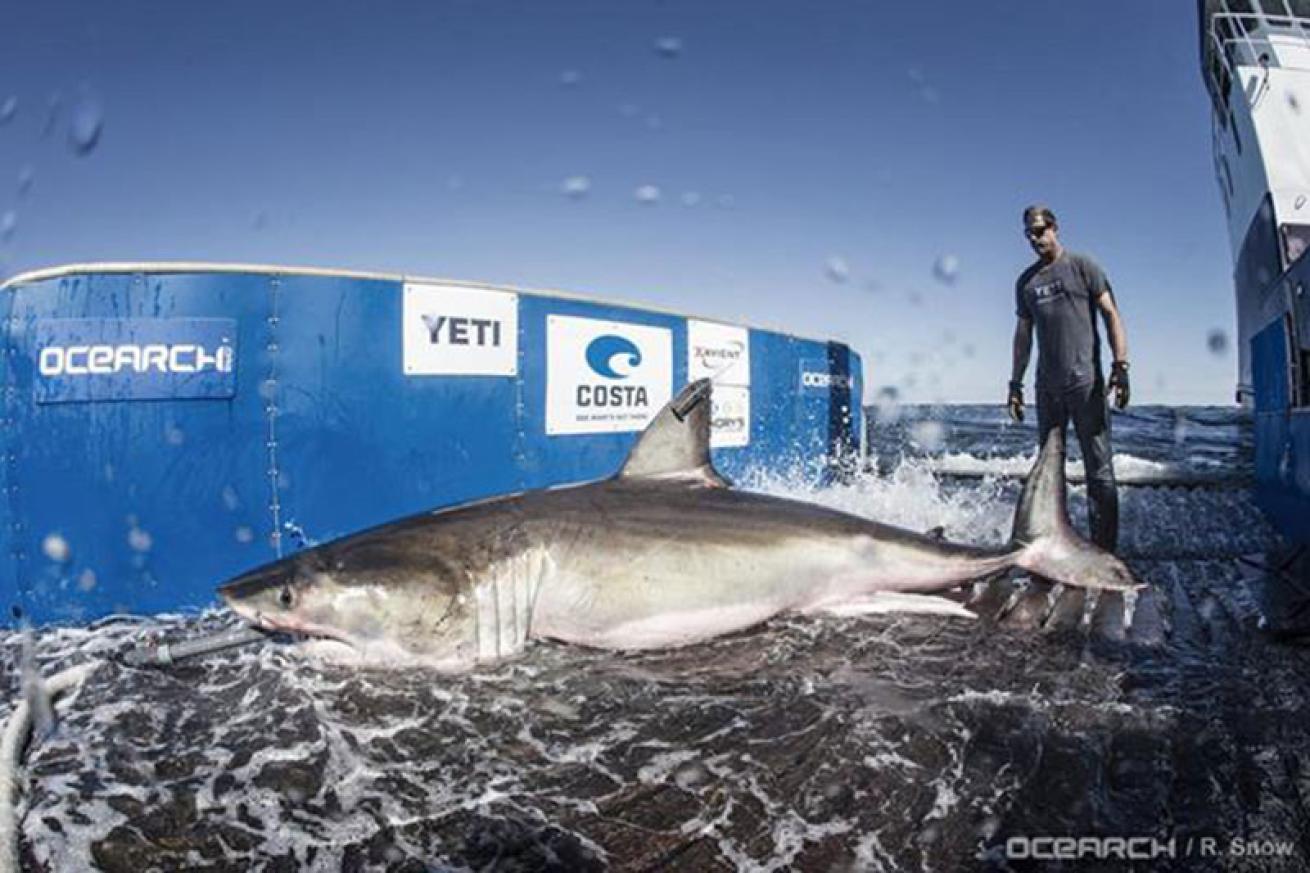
point(1248, 37)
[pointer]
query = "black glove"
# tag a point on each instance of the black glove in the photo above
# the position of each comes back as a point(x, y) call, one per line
point(1119, 383)
point(1014, 403)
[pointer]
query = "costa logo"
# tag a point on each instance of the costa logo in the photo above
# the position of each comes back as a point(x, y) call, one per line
point(605, 351)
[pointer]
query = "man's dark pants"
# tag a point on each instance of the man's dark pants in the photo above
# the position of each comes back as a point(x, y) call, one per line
point(1087, 409)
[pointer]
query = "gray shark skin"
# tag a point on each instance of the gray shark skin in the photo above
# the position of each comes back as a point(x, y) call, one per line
point(662, 554)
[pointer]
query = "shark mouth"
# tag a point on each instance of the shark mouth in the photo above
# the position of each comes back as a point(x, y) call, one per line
point(277, 624)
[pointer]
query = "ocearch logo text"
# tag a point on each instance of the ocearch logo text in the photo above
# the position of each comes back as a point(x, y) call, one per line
point(826, 380)
point(88, 360)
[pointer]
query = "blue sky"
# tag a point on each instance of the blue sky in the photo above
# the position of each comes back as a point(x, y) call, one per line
point(853, 170)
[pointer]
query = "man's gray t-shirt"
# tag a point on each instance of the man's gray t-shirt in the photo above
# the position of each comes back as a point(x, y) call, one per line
point(1060, 300)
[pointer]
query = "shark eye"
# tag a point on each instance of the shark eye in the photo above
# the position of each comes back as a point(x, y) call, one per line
point(286, 597)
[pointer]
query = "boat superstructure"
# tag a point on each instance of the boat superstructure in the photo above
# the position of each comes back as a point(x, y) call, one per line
point(1255, 59)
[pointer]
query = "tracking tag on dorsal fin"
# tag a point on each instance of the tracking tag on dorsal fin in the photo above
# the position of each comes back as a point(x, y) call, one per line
point(676, 443)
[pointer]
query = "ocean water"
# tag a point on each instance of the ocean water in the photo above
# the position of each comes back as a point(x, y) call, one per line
point(894, 742)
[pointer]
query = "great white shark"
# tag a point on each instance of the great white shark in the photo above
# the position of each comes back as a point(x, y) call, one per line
point(664, 553)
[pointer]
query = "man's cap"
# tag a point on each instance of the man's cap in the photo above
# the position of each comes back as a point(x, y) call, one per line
point(1039, 211)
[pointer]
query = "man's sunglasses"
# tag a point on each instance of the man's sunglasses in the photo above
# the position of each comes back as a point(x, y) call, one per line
point(1036, 231)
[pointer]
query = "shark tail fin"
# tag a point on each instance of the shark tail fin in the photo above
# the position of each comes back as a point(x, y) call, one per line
point(1046, 543)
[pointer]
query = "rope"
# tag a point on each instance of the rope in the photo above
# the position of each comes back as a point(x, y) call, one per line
point(13, 742)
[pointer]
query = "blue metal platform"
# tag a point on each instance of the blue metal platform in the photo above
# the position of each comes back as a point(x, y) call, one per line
point(169, 426)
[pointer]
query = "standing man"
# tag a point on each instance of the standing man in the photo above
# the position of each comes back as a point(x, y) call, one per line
point(1061, 294)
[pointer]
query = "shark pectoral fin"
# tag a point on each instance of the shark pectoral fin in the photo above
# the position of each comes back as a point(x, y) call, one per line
point(881, 602)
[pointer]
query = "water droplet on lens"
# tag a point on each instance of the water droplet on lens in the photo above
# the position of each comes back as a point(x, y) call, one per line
point(1217, 342)
point(929, 436)
point(173, 434)
point(575, 187)
point(244, 534)
point(8, 109)
point(726, 201)
point(691, 198)
point(837, 269)
point(87, 580)
point(886, 405)
point(570, 78)
point(668, 46)
point(53, 107)
point(26, 176)
point(55, 548)
point(647, 194)
point(139, 539)
point(947, 269)
point(8, 224)
point(84, 124)
point(230, 498)
point(1292, 102)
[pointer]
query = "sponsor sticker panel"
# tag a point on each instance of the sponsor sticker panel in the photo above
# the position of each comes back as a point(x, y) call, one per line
point(92, 359)
point(454, 331)
point(718, 351)
point(721, 352)
point(730, 417)
point(605, 376)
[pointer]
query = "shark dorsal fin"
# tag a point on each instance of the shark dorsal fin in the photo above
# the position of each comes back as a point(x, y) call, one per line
point(1043, 505)
point(676, 443)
